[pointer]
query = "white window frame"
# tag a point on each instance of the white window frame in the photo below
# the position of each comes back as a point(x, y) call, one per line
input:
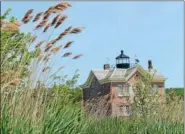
point(126, 90)
point(124, 110)
point(155, 88)
point(120, 90)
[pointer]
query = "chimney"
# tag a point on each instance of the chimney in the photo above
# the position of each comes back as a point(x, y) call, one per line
point(106, 67)
point(150, 67)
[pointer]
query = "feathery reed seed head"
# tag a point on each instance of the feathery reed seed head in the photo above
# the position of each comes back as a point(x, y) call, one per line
point(46, 27)
point(45, 69)
point(37, 17)
point(39, 43)
point(67, 54)
point(55, 19)
point(77, 56)
point(68, 44)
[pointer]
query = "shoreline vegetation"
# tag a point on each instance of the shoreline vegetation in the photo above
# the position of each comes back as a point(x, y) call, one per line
point(29, 106)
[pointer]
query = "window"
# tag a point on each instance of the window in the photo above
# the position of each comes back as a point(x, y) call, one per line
point(121, 109)
point(124, 109)
point(120, 90)
point(127, 109)
point(155, 88)
point(126, 90)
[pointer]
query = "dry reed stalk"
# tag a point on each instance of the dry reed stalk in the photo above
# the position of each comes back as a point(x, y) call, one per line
point(46, 16)
point(46, 27)
point(60, 21)
point(10, 27)
point(77, 30)
point(77, 56)
point(38, 16)
point(55, 11)
point(45, 69)
point(40, 58)
point(62, 67)
point(66, 31)
point(27, 14)
point(68, 44)
point(56, 49)
point(63, 5)
point(55, 19)
point(33, 39)
point(53, 41)
point(26, 20)
point(46, 58)
point(14, 82)
point(39, 43)
point(67, 54)
point(41, 24)
point(48, 46)
point(47, 11)
point(17, 23)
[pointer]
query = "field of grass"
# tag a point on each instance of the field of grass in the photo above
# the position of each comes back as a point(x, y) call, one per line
point(30, 106)
point(22, 114)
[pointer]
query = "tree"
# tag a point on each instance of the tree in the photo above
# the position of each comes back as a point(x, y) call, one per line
point(145, 99)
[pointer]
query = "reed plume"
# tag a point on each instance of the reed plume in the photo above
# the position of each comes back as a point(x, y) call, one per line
point(53, 41)
point(26, 16)
point(15, 82)
point(46, 27)
point(66, 31)
point(62, 67)
point(77, 56)
point(45, 69)
point(47, 11)
point(10, 27)
point(67, 54)
point(63, 5)
point(68, 44)
point(48, 46)
point(56, 49)
point(33, 39)
point(17, 23)
point(60, 20)
point(38, 16)
point(26, 20)
point(55, 19)
point(40, 58)
point(77, 30)
point(41, 24)
point(39, 43)
point(47, 57)
point(46, 16)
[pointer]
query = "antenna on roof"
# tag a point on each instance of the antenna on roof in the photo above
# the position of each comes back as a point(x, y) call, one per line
point(136, 59)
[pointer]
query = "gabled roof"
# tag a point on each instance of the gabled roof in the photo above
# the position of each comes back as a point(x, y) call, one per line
point(120, 75)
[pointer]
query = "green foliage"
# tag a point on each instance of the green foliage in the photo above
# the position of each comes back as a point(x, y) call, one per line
point(4, 16)
point(15, 53)
point(178, 91)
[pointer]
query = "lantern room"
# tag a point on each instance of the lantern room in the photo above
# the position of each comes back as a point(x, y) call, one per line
point(122, 61)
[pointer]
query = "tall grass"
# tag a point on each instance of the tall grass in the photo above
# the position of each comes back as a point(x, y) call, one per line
point(29, 106)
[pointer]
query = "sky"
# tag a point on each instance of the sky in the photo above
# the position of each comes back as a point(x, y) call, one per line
point(150, 30)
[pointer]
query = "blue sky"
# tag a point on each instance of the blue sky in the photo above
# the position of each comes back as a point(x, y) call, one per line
point(150, 30)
